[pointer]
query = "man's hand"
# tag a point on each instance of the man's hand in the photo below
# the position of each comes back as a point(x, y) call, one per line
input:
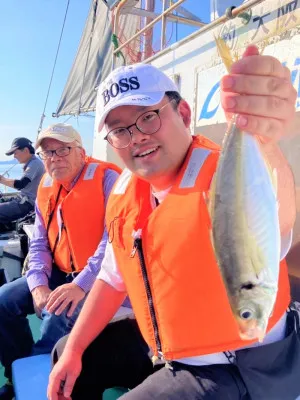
point(62, 296)
point(63, 376)
point(40, 296)
point(260, 91)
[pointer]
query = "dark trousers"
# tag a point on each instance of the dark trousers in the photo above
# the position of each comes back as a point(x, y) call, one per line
point(16, 303)
point(13, 209)
point(119, 357)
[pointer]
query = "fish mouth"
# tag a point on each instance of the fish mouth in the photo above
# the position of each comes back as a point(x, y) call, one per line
point(250, 331)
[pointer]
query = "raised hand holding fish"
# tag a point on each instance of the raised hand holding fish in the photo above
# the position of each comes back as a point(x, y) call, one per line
point(259, 89)
point(244, 209)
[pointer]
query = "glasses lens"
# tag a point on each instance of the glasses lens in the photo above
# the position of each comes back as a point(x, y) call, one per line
point(43, 155)
point(148, 122)
point(63, 151)
point(119, 138)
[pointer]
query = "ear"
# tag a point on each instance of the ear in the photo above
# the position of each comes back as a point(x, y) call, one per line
point(185, 112)
point(82, 152)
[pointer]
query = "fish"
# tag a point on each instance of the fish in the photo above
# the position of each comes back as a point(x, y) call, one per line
point(245, 229)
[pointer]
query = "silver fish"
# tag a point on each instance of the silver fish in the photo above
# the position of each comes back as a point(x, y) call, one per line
point(245, 231)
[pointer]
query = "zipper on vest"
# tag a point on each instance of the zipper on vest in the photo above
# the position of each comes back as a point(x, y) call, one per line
point(137, 247)
point(63, 227)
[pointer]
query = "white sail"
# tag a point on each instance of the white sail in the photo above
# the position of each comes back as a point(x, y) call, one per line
point(93, 61)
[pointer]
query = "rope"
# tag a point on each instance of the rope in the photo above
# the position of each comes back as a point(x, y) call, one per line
point(53, 69)
point(115, 42)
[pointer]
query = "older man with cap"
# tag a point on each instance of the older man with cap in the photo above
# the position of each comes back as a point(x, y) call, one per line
point(33, 170)
point(66, 251)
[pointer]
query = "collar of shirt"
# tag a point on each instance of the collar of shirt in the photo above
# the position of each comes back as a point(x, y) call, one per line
point(77, 176)
point(33, 157)
point(161, 195)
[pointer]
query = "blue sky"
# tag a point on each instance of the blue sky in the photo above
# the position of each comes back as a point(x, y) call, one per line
point(29, 37)
point(29, 34)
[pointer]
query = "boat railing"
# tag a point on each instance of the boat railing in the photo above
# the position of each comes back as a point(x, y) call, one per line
point(166, 15)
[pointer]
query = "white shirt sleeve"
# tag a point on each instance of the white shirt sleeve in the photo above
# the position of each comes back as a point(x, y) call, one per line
point(286, 242)
point(109, 271)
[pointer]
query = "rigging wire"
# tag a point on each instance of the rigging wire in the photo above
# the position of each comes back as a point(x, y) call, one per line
point(66, 120)
point(53, 69)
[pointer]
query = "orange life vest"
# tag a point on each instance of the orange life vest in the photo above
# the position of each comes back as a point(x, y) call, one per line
point(182, 307)
point(75, 218)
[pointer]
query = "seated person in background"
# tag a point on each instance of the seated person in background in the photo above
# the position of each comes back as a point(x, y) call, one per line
point(69, 228)
point(20, 205)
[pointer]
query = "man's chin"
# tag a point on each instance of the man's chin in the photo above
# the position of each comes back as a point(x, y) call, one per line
point(59, 176)
point(144, 173)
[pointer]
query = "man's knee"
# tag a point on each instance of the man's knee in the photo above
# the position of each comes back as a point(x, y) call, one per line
point(9, 295)
point(7, 211)
point(62, 321)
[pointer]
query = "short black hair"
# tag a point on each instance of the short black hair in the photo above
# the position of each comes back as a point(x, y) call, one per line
point(172, 95)
point(29, 147)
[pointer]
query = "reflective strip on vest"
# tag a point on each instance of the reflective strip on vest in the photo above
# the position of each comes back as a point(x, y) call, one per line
point(191, 173)
point(59, 221)
point(90, 171)
point(122, 182)
point(47, 181)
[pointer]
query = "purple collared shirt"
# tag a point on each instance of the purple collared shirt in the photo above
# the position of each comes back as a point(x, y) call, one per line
point(40, 255)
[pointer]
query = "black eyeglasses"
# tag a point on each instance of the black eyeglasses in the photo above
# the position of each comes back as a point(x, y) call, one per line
point(147, 123)
point(60, 152)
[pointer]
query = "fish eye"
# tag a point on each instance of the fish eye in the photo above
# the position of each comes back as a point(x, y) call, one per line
point(246, 314)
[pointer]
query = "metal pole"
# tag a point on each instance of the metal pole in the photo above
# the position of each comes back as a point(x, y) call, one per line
point(167, 11)
point(151, 15)
point(163, 27)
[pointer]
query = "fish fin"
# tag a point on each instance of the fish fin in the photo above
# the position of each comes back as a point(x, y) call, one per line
point(224, 52)
point(256, 255)
point(273, 176)
point(258, 261)
point(275, 181)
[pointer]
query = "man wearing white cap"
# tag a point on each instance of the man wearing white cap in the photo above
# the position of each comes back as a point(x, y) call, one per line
point(66, 250)
point(160, 252)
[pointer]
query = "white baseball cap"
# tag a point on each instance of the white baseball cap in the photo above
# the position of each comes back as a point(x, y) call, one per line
point(131, 85)
point(63, 132)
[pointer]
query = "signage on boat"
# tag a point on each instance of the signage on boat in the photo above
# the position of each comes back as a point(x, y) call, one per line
point(208, 106)
point(273, 27)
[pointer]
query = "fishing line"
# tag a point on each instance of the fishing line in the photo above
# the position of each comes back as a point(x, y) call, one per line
point(6, 172)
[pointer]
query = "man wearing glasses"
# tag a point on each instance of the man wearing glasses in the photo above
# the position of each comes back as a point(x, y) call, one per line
point(33, 169)
point(160, 253)
point(66, 250)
